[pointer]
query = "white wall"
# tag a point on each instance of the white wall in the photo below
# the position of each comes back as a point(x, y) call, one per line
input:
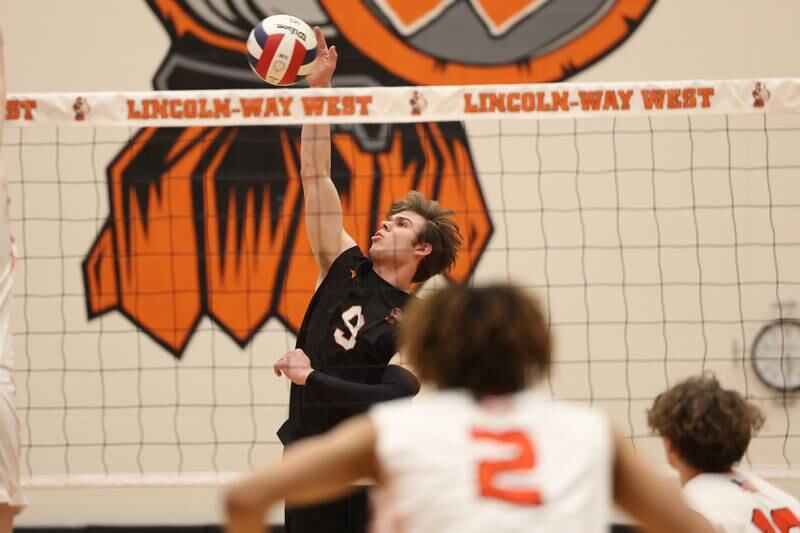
point(95, 45)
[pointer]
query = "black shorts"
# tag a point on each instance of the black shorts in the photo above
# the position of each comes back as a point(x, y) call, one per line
point(346, 515)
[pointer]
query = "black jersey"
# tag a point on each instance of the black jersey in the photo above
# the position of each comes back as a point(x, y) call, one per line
point(348, 332)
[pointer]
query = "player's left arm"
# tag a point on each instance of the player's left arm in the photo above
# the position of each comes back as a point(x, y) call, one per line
point(397, 381)
point(314, 470)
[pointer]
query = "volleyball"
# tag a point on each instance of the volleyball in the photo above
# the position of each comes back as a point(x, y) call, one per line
point(281, 50)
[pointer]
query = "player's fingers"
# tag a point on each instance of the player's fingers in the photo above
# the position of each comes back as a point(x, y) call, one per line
point(333, 54)
point(278, 366)
point(322, 45)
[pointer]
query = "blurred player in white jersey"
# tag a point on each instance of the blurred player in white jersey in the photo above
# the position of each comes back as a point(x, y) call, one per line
point(483, 452)
point(706, 431)
point(12, 500)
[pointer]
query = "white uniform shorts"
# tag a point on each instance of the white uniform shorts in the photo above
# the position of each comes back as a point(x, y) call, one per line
point(10, 465)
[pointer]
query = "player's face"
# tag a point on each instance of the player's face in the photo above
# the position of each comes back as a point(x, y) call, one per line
point(397, 237)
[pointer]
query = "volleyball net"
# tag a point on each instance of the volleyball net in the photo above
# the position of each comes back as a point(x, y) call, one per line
point(164, 265)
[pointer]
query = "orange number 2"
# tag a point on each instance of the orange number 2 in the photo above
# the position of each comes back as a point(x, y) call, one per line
point(524, 460)
point(783, 518)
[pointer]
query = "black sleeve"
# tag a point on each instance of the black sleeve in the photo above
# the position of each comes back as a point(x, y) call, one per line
point(396, 382)
point(350, 258)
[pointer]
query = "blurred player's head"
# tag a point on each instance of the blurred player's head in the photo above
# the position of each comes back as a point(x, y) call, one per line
point(490, 340)
point(419, 230)
point(703, 425)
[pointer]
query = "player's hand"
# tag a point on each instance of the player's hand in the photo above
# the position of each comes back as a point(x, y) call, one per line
point(295, 365)
point(322, 71)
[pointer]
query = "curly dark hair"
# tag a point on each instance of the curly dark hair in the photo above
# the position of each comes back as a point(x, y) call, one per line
point(708, 426)
point(489, 340)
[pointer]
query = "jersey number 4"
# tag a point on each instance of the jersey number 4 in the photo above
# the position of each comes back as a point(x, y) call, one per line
point(353, 320)
point(783, 518)
point(524, 460)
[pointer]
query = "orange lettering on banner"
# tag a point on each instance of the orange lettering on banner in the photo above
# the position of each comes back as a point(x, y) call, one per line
point(673, 99)
point(313, 105)
point(348, 106)
point(336, 105)
point(705, 94)
point(469, 106)
point(363, 102)
point(590, 100)
point(541, 104)
point(20, 109)
point(133, 113)
point(271, 108)
point(205, 112)
point(611, 101)
point(685, 98)
point(251, 107)
point(496, 102)
point(190, 108)
point(561, 101)
point(187, 108)
point(174, 109)
point(514, 102)
point(158, 109)
point(626, 98)
point(689, 98)
point(528, 102)
point(286, 102)
point(254, 107)
point(653, 98)
point(333, 105)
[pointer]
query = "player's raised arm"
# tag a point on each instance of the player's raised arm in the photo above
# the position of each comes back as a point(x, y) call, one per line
point(323, 207)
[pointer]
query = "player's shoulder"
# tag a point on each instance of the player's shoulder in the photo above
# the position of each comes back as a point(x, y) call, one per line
point(711, 485)
point(754, 483)
point(345, 267)
point(735, 489)
point(423, 409)
point(563, 413)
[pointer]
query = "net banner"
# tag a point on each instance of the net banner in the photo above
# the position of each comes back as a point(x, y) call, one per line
point(403, 104)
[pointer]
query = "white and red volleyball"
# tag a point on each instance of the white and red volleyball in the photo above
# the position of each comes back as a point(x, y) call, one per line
point(281, 50)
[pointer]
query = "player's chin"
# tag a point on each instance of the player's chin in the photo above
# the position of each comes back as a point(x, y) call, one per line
point(378, 248)
point(374, 248)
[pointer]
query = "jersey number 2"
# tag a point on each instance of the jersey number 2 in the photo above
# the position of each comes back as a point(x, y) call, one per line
point(783, 518)
point(352, 314)
point(489, 470)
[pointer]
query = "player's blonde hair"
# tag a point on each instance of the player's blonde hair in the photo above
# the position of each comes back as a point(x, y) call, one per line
point(489, 340)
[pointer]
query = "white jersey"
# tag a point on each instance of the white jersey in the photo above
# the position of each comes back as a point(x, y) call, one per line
point(10, 485)
point(6, 243)
point(519, 463)
point(742, 502)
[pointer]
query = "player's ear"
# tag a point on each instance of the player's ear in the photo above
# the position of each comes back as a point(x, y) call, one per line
point(671, 453)
point(423, 249)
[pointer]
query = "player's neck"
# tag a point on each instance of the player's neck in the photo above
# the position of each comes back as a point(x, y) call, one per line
point(686, 473)
point(398, 275)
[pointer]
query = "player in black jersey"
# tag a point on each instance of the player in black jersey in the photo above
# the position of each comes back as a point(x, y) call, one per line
point(345, 359)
